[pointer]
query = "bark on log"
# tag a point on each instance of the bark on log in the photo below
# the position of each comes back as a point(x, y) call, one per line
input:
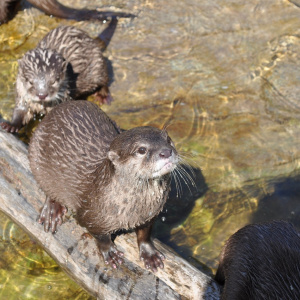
point(21, 200)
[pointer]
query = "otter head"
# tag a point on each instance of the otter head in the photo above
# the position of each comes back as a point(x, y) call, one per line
point(143, 152)
point(42, 73)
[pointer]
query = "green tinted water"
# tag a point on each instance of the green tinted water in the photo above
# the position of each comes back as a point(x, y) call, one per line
point(225, 76)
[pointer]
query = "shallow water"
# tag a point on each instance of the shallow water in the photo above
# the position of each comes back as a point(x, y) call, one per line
point(225, 77)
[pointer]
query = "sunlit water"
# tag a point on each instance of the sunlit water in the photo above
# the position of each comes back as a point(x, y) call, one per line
point(224, 76)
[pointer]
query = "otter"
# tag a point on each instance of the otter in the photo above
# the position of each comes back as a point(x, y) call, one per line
point(112, 180)
point(261, 261)
point(66, 64)
point(8, 9)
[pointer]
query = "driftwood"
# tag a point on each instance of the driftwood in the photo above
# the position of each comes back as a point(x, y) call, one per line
point(21, 200)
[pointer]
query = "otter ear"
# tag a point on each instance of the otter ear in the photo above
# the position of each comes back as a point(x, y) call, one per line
point(113, 156)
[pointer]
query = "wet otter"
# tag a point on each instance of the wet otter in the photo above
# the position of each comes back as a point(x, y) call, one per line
point(8, 9)
point(261, 261)
point(66, 64)
point(111, 180)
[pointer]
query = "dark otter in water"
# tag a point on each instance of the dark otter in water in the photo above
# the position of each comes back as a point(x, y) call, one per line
point(261, 261)
point(111, 180)
point(66, 64)
point(8, 9)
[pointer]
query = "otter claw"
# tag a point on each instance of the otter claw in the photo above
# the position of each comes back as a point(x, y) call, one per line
point(111, 255)
point(151, 257)
point(52, 215)
point(98, 97)
point(113, 258)
point(8, 127)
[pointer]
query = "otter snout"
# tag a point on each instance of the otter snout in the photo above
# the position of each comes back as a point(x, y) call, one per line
point(165, 153)
point(166, 162)
point(42, 96)
point(41, 85)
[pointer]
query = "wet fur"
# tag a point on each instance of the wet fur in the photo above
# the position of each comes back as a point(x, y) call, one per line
point(261, 261)
point(87, 68)
point(41, 65)
point(80, 159)
point(67, 64)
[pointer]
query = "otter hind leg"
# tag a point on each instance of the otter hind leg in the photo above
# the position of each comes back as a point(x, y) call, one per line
point(52, 215)
point(152, 258)
point(111, 255)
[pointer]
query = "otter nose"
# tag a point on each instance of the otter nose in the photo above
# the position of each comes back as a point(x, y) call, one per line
point(165, 153)
point(42, 96)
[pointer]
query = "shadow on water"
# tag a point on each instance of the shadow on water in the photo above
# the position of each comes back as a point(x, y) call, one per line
point(107, 34)
point(281, 204)
point(178, 207)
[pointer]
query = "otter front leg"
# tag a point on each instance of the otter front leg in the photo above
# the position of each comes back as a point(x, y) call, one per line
point(148, 253)
point(109, 251)
point(16, 122)
point(52, 215)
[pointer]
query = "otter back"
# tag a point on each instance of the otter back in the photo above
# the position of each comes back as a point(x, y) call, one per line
point(67, 148)
point(87, 68)
point(261, 261)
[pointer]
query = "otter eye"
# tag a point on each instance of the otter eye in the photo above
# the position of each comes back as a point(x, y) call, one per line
point(169, 140)
point(29, 81)
point(142, 150)
point(56, 79)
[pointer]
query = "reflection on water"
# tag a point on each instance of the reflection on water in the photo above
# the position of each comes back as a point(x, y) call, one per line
point(27, 272)
point(224, 76)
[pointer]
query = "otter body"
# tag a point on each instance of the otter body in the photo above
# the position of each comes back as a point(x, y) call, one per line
point(111, 180)
point(66, 64)
point(86, 69)
point(261, 261)
point(8, 9)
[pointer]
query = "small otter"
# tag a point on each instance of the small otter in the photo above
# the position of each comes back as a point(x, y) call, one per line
point(261, 261)
point(66, 64)
point(8, 9)
point(111, 180)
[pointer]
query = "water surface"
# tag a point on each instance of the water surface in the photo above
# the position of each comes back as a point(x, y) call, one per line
point(225, 76)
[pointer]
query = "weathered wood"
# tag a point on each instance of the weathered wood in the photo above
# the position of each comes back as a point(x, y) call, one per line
point(21, 200)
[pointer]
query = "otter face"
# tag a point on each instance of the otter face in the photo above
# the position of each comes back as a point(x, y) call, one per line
point(143, 152)
point(42, 73)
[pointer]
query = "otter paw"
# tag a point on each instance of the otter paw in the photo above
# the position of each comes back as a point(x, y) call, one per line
point(52, 215)
point(151, 257)
point(9, 127)
point(113, 257)
point(101, 99)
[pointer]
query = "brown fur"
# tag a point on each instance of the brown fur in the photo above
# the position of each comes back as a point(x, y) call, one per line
point(81, 160)
point(66, 64)
point(261, 261)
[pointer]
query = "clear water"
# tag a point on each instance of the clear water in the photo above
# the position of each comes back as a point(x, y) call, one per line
point(225, 76)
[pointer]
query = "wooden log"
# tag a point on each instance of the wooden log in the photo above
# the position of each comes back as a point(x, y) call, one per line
point(21, 200)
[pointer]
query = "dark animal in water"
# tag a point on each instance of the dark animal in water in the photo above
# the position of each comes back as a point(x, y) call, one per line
point(261, 261)
point(111, 180)
point(8, 9)
point(66, 64)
